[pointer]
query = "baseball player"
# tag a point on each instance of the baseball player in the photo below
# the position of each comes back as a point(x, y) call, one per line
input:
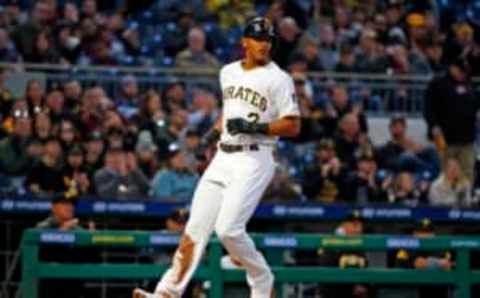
point(259, 104)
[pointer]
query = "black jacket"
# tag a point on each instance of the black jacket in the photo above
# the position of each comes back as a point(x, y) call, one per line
point(453, 107)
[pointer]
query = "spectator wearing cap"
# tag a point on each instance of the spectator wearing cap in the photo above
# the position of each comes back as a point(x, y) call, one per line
point(145, 151)
point(129, 97)
point(175, 182)
point(120, 178)
point(189, 144)
point(352, 225)
point(196, 54)
point(75, 174)
point(363, 184)
point(346, 61)
point(62, 217)
point(323, 179)
point(403, 153)
point(462, 40)
point(170, 133)
point(451, 188)
point(45, 177)
point(14, 159)
point(451, 106)
point(425, 260)
point(62, 213)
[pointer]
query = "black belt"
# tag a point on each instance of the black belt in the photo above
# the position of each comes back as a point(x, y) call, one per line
point(227, 148)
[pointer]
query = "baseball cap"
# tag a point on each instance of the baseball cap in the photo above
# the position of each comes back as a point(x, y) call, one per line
point(70, 196)
point(354, 215)
point(416, 20)
point(179, 215)
point(424, 225)
point(145, 142)
point(75, 150)
point(325, 144)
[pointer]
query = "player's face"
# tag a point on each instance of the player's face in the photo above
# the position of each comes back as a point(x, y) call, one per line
point(257, 49)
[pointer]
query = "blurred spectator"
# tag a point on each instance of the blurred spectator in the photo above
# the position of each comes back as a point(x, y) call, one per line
point(176, 39)
point(362, 185)
point(341, 105)
point(67, 134)
point(402, 153)
point(370, 57)
point(323, 180)
point(45, 177)
point(174, 96)
point(406, 192)
point(34, 94)
point(196, 54)
point(451, 188)
point(55, 105)
point(72, 91)
point(451, 107)
point(14, 158)
point(282, 187)
point(346, 61)
point(63, 218)
point(69, 43)
point(288, 37)
point(6, 97)
point(128, 101)
point(25, 35)
point(204, 110)
point(170, 133)
point(434, 53)
point(120, 178)
point(8, 52)
point(42, 126)
point(74, 173)
point(347, 139)
point(150, 114)
point(94, 150)
point(352, 225)
point(175, 182)
point(146, 150)
point(424, 260)
point(189, 144)
point(462, 40)
point(43, 50)
point(311, 53)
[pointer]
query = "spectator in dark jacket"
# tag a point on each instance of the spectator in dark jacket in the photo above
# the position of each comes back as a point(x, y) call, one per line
point(120, 178)
point(451, 106)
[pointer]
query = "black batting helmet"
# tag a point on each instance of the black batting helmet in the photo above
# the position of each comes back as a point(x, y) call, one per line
point(259, 27)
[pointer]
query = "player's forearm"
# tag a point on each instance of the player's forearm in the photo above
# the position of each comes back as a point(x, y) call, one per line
point(285, 127)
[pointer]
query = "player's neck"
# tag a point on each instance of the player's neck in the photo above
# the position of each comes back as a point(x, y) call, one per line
point(249, 64)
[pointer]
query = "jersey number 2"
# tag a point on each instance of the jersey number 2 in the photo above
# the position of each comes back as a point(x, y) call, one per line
point(253, 117)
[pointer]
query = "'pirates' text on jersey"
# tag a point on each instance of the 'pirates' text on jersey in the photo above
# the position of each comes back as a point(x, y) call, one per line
point(263, 94)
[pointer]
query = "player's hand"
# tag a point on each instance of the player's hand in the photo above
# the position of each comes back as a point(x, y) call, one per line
point(240, 125)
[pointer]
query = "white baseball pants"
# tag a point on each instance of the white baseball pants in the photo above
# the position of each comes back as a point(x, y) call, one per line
point(225, 199)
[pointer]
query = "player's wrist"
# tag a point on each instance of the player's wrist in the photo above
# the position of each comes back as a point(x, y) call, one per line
point(262, 128)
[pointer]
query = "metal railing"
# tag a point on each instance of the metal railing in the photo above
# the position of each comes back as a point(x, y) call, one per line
point(379, 93)
point(462, 277)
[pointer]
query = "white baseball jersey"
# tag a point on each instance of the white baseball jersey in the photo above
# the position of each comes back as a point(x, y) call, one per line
point(262, 94)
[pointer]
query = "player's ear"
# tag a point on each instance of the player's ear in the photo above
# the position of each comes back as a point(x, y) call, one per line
point(243, 42)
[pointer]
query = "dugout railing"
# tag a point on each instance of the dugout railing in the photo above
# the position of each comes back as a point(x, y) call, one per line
point(461, 277)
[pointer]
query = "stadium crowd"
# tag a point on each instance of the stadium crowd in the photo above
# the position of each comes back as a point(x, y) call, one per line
point(140, 143)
